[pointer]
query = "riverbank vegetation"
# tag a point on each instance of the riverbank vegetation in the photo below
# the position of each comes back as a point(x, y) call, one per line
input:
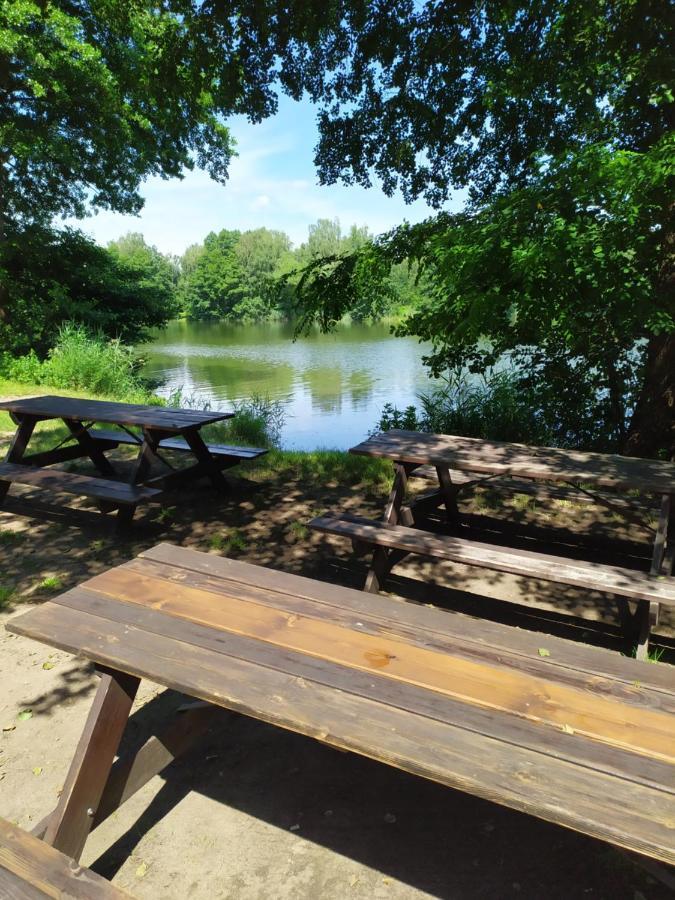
point(555, 120)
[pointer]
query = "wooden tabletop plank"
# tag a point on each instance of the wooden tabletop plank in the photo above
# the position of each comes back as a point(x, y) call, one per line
point(428, 624)
point(489, 722)
point(449, 642)
point(539, 463)
point(621, 724)
point(159, 417)
point(41, 871)
point(630, 815)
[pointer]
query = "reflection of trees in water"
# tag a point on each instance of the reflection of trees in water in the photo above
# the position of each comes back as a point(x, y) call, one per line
point(235, 378)
point(360, 387)
point(328, 387)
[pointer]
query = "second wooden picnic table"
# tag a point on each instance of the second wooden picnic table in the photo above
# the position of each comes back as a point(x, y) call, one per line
point(455, 461)
point(161, 429)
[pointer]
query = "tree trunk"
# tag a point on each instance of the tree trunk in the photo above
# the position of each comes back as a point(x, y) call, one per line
point(652, 427)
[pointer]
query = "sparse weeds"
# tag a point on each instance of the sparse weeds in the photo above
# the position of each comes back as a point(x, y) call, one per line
point(51, 584)
point(228, 541)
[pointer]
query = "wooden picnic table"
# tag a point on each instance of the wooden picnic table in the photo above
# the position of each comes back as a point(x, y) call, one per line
point(455, 461)
point(161, 429)
point(576, 735)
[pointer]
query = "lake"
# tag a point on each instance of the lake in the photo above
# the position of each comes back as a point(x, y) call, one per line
point(333, 386)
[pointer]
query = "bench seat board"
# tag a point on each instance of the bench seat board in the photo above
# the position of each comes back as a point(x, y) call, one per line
point(73, 483)
point(589, 752)
point(32, 870)
point(627, 583)
point(121, 437)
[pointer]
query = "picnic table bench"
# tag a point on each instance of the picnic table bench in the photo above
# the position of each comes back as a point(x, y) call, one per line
point(575, 735)
point(32, 870)
point(161, 429)
point(404, 529)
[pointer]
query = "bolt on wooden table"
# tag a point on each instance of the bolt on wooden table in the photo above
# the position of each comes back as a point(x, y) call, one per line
point(161, 428)
point(455, 462)
point(581, 737)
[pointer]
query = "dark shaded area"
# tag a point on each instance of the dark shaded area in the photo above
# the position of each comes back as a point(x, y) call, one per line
point(442, 841)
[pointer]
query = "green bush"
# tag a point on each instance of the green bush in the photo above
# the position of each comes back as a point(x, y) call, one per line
point(495, 408)
point(258, 421)
point(83, 361)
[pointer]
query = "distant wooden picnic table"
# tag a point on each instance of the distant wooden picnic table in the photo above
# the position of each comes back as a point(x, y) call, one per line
point(455, 462)
point(159, 429)
point(576, 735)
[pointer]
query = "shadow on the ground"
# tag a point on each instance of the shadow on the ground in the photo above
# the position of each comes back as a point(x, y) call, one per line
point(435, 839)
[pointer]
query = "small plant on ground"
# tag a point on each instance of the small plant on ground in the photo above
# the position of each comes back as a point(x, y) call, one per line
point(9, 537)
point(51, 583)
point(225, 542)
point(6, 594)
point(166, 514)
point(299, 530)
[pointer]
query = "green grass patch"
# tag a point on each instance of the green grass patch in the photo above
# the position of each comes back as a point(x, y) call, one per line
point(325, 466)
point(228, 541)
point(51, 584)
point(6, 594)
point(9, 538)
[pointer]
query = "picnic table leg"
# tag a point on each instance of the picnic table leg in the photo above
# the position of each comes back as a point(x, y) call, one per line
point(449, 493)
point(647, 613)
point(17, 447)
point(196, 443)
point(139, 475)
point(72, 820)
point(383, 560)
point(89, 446)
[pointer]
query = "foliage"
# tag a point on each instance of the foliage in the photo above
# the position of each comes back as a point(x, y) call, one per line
point(213, 286)
point(254, 275)
point(83, 361)
point(56, 276)
point(557, 117)
point(96, 97)
point(492, 408)
point(147, 267)
point(258, 421)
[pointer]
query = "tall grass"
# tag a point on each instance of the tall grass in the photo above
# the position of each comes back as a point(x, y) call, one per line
point(81, 360)
point(493, 408)
point(258, 421)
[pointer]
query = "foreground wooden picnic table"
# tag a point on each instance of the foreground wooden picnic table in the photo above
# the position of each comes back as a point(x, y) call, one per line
point(161, 429)
point(456, 461)
point(576, 735)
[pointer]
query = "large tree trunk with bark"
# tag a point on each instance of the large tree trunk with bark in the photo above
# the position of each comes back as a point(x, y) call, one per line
point(652, 427)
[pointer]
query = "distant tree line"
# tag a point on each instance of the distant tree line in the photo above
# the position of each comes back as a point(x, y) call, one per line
point(254, 275)
point(129, 287)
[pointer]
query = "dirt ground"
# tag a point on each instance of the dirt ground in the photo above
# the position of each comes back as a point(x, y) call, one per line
point(257, 812)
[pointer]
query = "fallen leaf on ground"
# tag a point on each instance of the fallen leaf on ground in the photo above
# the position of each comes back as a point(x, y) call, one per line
point(544, 652)
point(37, 770)
point(47, 665)
point(568, 729)
point(25, 714)
point(141, 871)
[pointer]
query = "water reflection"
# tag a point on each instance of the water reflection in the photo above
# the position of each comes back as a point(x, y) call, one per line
point(333, 386)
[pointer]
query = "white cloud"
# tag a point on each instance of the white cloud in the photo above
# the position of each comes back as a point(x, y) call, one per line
point(272, 183)
point(261, 201)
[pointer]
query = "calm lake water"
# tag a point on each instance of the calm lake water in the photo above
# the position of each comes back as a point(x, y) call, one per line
point(333, 386)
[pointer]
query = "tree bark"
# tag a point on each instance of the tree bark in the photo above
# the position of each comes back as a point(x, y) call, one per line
point(652, 427)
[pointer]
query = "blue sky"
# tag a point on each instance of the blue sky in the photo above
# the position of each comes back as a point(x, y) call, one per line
point(273, 183)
